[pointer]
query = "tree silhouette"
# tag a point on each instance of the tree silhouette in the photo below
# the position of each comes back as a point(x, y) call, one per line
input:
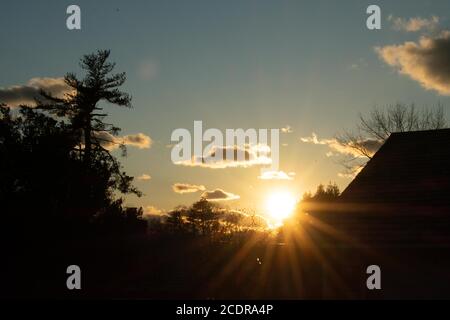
point(203, 217)
point(176, 219)
point(328, 193)
point(207, 219)
point(82, 107)
point(376, 127)
point(53, 158)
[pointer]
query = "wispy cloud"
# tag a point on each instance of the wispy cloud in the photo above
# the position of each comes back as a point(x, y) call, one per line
point(219, 195)
point(144, 177)
point(370, 145)
point(287, 129)
point(276, 175)
point(426, 61)
point(414, 24)
point(138, 140)
point(351, 173)
point(111, 142)
point(187, 188)
point(26, 94)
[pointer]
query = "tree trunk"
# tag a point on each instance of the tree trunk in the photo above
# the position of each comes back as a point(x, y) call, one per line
point(87, 142)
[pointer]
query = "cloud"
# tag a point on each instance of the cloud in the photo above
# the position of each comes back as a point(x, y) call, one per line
point(26, 94)
point(426, 61)
point(153, 211)
point(144, 177)
point(138, 140)
point(219, 195)
point(252, 156)
point(370, 145)
point(276, 175)
point(351, 173)
point(187, 188)
point(414, 24)
point(110, 142)
point(287, 129)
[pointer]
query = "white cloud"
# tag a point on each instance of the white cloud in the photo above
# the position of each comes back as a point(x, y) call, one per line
point(414, 24)
point(276, 175)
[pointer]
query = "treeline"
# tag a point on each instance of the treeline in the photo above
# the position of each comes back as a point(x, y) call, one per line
point(208, 220)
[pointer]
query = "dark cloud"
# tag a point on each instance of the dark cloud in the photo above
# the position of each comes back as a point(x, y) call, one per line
point(26, 94)
point(246, 156)
point(187, 188)
point(219, 195)
point(426, 61)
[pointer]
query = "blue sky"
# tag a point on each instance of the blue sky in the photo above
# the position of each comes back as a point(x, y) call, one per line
point(233, 64)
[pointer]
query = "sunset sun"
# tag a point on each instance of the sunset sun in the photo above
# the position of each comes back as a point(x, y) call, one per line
point(280, 205)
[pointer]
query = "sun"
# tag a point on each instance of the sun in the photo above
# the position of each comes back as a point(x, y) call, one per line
point(280, 205)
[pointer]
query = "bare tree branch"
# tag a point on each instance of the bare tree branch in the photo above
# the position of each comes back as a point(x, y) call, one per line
point(374, 129)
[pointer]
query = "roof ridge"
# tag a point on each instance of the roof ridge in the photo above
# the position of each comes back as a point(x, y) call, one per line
point(419, 131)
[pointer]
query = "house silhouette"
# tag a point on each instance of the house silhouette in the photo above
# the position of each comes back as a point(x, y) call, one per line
point(410, 170)
point(402, 195)
point(395, 214)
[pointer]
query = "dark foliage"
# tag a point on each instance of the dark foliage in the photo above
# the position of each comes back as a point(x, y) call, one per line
point(56, 174)
point(323, 193)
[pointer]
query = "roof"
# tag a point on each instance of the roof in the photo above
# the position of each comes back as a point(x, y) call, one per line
point(411, 168)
